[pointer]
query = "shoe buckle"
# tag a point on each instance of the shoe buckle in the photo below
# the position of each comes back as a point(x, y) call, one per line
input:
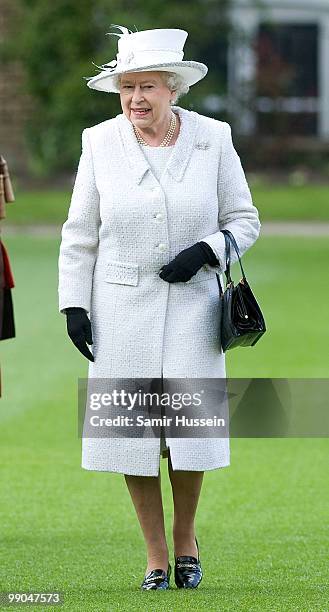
point(154, 578)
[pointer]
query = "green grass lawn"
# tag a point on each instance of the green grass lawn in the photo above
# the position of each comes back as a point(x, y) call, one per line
point(298, 203)
point(261, 523)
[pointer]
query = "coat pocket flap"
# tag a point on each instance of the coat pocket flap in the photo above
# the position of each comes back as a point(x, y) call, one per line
point(123, 273)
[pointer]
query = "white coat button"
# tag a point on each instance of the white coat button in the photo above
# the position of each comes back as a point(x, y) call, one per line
point(159, 216)
point(162, 247)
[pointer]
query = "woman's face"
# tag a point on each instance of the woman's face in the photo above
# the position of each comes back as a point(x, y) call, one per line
point(145, 90)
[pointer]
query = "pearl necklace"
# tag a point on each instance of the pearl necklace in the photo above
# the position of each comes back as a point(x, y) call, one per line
point(167, 137)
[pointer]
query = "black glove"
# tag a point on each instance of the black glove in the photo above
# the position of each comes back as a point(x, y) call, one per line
point(79, 329)
point(188, 262)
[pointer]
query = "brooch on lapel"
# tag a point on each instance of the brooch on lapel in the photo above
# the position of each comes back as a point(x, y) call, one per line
point(204, 144)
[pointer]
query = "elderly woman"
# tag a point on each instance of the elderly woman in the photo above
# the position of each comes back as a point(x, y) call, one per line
point(139, 254)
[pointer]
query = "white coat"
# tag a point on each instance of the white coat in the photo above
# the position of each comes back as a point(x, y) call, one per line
point(122, 226)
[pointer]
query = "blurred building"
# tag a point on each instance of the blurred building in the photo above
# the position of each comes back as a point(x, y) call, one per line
point(278, 67)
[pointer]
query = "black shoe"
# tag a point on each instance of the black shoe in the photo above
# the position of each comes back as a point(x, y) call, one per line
point(156, 579)
point(188, 571)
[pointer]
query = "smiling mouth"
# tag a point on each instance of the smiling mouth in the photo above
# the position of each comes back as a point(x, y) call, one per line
point(141, 111)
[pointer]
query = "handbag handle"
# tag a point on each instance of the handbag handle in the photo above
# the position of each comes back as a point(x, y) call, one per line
point(229, 238)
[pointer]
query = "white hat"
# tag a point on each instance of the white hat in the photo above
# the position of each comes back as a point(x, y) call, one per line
point(148, 50)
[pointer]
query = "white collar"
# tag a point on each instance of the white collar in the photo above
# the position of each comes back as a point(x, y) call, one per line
point(181, 153)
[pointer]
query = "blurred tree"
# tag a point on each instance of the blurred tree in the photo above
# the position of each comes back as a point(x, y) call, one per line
point(58, 41)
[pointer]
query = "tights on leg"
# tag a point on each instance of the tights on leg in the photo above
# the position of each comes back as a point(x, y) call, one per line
point(145, 492)
point(146, 495)
point(186, 488)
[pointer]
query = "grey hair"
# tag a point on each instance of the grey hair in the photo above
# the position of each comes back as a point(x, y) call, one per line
point(172, 80)
point(176, 83)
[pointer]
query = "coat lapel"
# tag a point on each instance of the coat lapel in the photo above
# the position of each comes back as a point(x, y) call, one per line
point(182, 150)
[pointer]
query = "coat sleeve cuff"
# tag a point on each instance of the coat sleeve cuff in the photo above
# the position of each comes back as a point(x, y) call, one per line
point(70, 304)
point(217, 244)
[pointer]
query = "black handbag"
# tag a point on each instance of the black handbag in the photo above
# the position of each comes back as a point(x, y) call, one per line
point(242, 321)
